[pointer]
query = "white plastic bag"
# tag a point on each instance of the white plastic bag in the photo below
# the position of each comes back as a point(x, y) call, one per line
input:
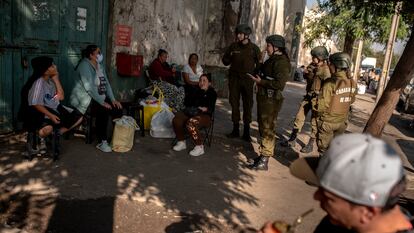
point(361, 89)
point(123, 136)
point(161, 124)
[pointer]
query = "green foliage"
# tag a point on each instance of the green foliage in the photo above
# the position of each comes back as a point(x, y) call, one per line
point(370, 20)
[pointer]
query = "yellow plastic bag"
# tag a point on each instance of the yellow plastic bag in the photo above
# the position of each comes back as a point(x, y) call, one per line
point(151, 108)
point(123, 136)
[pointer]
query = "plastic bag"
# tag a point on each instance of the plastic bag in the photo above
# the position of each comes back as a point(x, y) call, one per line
point(161, 124)
point(152, 105)
point(123, 136)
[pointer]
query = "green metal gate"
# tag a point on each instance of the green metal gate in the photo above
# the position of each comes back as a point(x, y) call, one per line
point(56, 28)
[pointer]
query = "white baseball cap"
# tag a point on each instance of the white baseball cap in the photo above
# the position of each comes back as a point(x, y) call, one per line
point(357, 167)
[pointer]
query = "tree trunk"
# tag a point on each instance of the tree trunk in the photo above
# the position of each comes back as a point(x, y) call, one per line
point(349, 43)
point(389, 99)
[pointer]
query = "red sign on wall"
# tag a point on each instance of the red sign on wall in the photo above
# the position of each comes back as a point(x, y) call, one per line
point(123, 35)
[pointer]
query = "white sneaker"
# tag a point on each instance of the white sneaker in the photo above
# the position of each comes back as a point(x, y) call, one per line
point(180, 146)
point(197, 151)
point(104, 146)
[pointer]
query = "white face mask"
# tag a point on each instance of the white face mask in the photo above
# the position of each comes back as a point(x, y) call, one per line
point(100, 58)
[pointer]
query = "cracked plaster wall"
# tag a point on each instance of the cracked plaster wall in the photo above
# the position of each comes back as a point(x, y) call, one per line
point(205, 27)
point(181, 27)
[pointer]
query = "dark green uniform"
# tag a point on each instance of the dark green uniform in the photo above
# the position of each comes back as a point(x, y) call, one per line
point(275, 73)
point(338, 93)
point(242, 59)
point(314, 80)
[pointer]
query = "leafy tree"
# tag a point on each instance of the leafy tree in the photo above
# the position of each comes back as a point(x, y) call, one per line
point(348, 20)
point(403, 72)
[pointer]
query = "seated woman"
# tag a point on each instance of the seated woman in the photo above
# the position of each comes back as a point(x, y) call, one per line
point(163, 76)
point(160, 70)
point(191, 74)
point(43, 93)
point(198, 114)
point(92, 90)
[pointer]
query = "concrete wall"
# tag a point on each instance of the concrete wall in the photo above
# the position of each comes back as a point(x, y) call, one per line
point(275, 17)
point(183, 27)
point(179, 26)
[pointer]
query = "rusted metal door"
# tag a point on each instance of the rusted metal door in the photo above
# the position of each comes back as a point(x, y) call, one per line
point(55, 28)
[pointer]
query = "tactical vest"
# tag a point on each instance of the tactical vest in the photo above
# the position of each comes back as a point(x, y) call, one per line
point(318, 76)
point(310, 77)
point(267, 72)
point(342, 98)
point(244, 58)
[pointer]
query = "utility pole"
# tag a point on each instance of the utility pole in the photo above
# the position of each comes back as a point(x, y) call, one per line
point(388, 52)
point(358, 59)
point(392, 50)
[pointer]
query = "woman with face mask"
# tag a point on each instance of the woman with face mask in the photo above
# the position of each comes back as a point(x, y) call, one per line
point(92, 90)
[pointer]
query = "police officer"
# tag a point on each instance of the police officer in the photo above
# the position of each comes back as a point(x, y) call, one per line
point(315, 74)
point(243, 57)
point(335, 99)
point(274, 74)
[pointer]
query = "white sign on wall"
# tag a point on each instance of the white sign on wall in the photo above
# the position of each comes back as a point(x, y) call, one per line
point(81, 19)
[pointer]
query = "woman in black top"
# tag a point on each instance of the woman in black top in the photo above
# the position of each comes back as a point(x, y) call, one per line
point(197, 114)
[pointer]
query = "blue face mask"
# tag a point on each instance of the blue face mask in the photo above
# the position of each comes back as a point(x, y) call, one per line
point(100, 58)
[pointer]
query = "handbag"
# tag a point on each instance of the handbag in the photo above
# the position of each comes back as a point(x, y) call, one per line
point(123, 136)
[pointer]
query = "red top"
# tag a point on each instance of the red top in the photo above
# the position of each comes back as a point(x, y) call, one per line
point(158, 71)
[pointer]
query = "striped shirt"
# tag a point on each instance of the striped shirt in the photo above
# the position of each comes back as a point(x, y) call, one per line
point(42, 93)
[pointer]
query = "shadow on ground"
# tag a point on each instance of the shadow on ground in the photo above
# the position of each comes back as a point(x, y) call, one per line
point(79, 192)
point(407, 146)
point(402, 123)
point(90, 191)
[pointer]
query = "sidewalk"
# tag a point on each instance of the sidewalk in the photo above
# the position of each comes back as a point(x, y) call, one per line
point(154, 189)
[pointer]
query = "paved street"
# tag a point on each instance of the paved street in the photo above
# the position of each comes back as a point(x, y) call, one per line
point(154, 189)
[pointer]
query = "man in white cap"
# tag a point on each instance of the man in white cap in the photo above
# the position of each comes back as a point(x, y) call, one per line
point(359, 180)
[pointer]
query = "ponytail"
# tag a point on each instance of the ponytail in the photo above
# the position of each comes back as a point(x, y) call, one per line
point(284, 52)
point(86, 52)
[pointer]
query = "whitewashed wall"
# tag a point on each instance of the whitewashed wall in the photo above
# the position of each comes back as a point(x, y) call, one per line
point(181, 27)
point(274, 17)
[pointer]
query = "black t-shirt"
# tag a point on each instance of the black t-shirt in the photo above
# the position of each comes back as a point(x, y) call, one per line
point(202, 98)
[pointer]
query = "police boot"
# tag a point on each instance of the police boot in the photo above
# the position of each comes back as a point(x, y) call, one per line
point(246, 133)
point(309, 147)
point(235, 133)
point(292, 139)
point(261, 164)
point(252, 162)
